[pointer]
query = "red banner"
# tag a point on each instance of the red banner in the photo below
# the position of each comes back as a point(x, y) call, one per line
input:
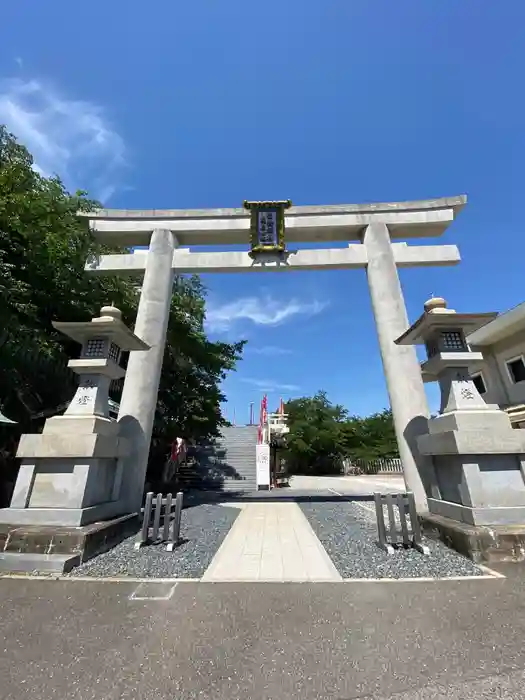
point(263, 419)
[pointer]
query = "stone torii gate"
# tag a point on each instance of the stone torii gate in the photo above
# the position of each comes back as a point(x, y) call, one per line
point(380, 230)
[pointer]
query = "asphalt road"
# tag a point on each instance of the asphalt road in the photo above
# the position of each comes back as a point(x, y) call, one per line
point(87, 640)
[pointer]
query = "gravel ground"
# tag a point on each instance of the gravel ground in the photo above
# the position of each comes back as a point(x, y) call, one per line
point(349, 534)
point(203, 528)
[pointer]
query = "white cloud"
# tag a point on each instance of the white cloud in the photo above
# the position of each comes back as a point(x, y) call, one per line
point(269, 350)
point(66, 137)
point(262, 311)
point(270, 385)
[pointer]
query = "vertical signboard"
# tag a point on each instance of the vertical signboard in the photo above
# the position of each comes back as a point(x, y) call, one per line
point(262, 459)
point(267, 226)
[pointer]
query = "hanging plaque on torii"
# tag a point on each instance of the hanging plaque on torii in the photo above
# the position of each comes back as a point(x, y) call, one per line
point(267, 226)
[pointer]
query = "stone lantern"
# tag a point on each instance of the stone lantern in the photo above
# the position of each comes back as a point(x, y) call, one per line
point(103, 340)
point(478, 458)
point(449, 360)
point(70, 475)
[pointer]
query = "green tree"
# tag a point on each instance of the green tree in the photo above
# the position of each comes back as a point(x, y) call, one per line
point(43, 248)
point(314, 443)
point(371, 437)
point(322, 434)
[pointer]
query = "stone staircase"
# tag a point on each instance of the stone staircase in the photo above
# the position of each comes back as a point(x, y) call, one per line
point(226, 464)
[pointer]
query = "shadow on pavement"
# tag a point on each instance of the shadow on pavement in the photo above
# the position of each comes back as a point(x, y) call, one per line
point(196, 498)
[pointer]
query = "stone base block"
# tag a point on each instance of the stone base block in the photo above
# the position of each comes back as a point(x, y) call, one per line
point(63, 445)
point(62, 517)
point(484, 545)
point(81, 543)
point(81, 425)
point(494, 515)
point(17, 562)
point(487, 419)
point(473, 442)
point(64, 484)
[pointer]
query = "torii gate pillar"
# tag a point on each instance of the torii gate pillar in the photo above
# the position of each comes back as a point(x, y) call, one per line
point(402, 370)
point(139, 395)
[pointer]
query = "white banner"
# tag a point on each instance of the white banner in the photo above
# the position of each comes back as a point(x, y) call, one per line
point(262, 458)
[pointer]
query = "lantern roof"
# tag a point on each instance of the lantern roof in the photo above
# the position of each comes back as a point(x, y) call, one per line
point(107, 325)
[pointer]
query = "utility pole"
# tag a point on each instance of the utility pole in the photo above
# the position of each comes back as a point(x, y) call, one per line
point(251, 412)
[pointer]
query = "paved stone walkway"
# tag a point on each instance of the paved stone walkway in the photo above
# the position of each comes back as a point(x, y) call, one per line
point(271, 542)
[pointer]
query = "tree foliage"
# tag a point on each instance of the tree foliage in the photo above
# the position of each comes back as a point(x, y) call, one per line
point(44, 245)
point(322, 434)
point(314, 441)
point(371, 437)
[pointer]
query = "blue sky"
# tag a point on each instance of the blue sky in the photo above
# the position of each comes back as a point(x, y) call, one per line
point(206, 103)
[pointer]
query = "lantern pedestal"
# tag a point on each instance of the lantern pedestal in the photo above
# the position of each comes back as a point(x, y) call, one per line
point(66, 481)
point(71, 474)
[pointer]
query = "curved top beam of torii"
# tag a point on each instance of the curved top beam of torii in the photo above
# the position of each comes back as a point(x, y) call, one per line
point(335, 222)
point(331, 223)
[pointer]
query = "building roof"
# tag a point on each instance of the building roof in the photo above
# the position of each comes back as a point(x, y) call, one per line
point(503, 326)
